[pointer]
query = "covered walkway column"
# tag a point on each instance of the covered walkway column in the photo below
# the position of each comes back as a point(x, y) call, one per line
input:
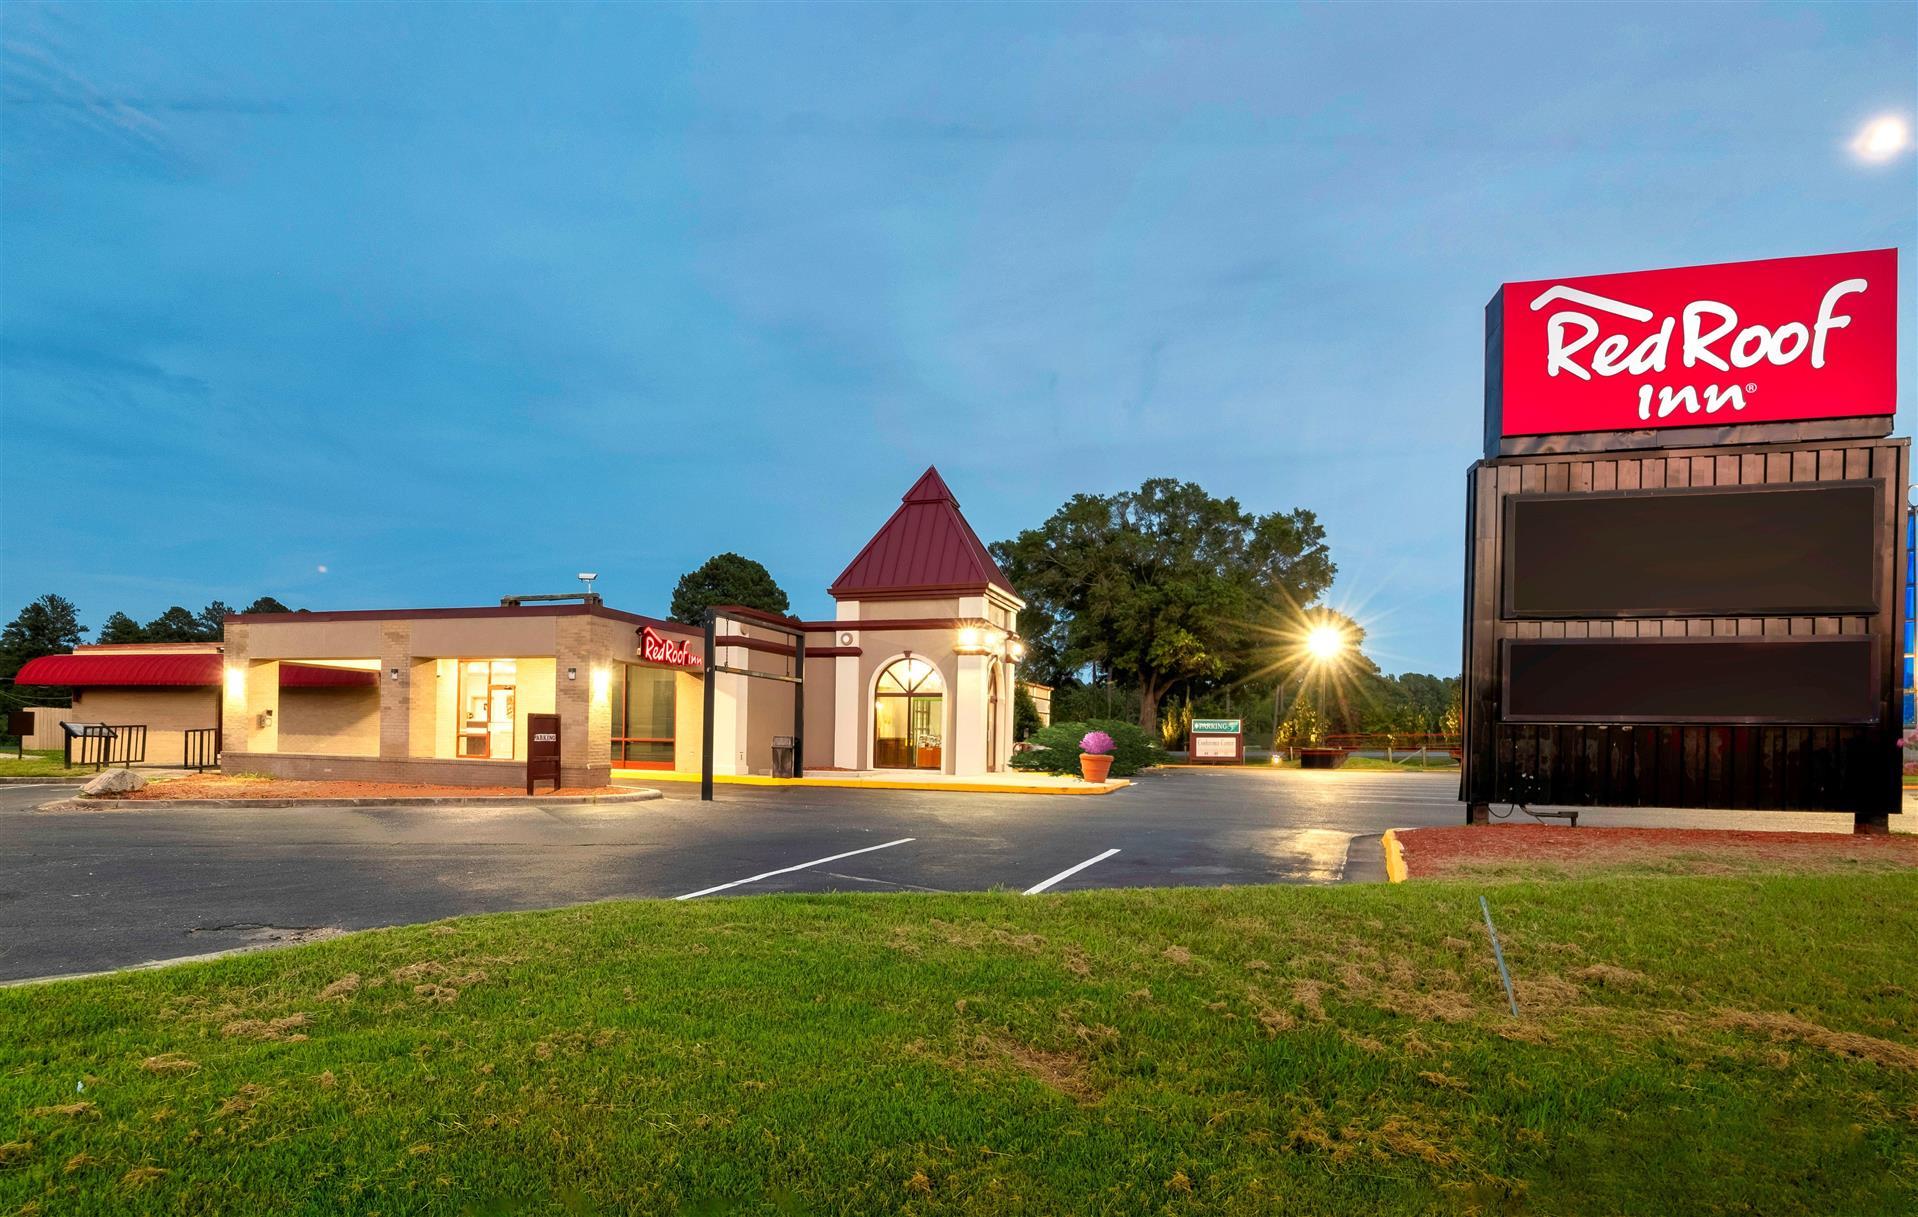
point(249, 698)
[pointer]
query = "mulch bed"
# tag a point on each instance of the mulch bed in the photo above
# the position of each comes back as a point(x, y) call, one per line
point(1431, 852)
point(214, 787)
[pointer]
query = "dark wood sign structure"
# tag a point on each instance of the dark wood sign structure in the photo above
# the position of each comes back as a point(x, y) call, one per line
point(542, 750)
point(1707, 617)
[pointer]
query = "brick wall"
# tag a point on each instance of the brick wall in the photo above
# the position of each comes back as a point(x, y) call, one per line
point(332, 722)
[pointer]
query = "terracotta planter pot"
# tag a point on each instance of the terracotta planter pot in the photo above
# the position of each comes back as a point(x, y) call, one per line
point(1094, 768)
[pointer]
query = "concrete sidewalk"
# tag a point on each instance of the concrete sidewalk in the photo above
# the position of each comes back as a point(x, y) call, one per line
point(893, 779)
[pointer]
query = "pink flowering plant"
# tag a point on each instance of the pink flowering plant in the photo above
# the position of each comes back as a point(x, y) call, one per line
point(1098, 743)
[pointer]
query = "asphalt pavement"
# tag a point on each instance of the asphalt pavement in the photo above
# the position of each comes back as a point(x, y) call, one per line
point(91, 890)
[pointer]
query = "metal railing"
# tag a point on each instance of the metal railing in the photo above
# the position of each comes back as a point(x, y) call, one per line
point(103, 744)
point(1396, 744)
point(202, 751)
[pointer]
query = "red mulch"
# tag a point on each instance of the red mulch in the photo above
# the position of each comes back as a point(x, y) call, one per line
point(1438, 851)
point(217, 787)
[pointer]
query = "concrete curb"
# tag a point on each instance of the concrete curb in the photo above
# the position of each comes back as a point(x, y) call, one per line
point(489, 800)
point(753, 779)
point(1395, 871)
point(49, 780)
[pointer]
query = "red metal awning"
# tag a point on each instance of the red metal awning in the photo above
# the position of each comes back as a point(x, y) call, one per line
point(158, 670)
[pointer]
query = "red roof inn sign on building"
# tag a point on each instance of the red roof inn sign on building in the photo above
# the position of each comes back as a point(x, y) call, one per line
point(655, 647)
point(1685, 542)
point(1781, 340)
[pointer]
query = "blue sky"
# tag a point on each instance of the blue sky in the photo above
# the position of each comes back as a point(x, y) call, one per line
point(389, 306)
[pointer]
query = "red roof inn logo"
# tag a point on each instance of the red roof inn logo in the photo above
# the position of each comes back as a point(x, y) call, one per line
point(655, 647)
point(1782, 340)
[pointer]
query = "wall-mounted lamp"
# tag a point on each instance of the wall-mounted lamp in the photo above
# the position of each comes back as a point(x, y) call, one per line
point(572, 673)
point(394, 673)
point(602, 683)
point(1018, 650)
point(236, 683)
point(968, 638)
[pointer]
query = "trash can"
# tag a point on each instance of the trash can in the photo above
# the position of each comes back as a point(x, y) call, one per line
point(783, 755)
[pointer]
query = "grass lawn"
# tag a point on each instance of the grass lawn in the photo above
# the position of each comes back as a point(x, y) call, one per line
point(39, 763)
point(1687, 1045)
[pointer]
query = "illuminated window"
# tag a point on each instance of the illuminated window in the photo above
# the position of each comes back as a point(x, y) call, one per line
point(643, 702)
point(487, 696)
point(908, 716)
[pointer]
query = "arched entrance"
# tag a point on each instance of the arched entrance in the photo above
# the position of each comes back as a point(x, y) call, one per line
point(908, 716)
point(992, 717)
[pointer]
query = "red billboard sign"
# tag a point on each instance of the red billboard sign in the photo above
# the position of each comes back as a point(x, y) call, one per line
point(1739, 343)
point(655, 647)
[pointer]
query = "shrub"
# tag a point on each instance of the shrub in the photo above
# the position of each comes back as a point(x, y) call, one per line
point(1056, 749)
point(1025, 712)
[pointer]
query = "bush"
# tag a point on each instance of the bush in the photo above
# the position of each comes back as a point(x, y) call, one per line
point(1055, 749)
point(1025, 712)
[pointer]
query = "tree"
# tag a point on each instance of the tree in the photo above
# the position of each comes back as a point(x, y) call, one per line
point(726, 579)
point(174, 625)
point(121, 628)
point(1304, 725)
point(48, 626)
point(213, 620)
point(266, 604)
point(1163, 584)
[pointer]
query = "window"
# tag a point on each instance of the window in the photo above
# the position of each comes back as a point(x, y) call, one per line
point(908, 716)
point(643, 705)
point(487, 693)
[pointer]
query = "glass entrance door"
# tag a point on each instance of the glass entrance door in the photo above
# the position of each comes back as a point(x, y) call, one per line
point(908, 716)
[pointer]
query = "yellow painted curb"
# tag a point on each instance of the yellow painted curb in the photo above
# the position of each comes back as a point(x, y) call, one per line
point(753, 779)
point(1395, 871)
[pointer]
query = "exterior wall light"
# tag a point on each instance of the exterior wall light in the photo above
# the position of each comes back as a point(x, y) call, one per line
point(1018, 650)
point(572, 673)
point(236, 683)
point(602, 683)
point(394, 673)
point(968, 637)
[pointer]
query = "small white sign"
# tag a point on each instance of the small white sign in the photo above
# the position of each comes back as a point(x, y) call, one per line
point(1215, 745)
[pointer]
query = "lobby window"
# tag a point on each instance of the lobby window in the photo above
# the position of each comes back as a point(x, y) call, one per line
point(487, 696)
point(643, 704)
point(908, 708)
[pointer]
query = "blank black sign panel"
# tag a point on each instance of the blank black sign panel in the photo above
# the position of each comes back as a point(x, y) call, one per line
point(1748, 551)
point(1828, 679)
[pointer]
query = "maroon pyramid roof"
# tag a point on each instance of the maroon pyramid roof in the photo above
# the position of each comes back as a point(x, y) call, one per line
point(926, 546)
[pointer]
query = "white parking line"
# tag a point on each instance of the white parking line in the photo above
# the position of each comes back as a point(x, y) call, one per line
point(1067, 873)
point(786, 870)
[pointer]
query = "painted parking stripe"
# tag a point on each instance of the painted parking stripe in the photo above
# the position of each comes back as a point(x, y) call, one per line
point(1067, 873)
point(786, 870)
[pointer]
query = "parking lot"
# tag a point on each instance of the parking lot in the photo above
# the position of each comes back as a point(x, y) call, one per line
point(91, 890)
point(82, 891)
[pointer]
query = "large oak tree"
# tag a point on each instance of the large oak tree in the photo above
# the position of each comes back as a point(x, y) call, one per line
point(1161, 584)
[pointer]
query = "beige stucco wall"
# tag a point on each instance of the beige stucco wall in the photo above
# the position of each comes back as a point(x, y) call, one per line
point(414, 721)
point(903, 610)
point(821, 709)
point(166, 714)
point(331, 722)
point(689, 709)
point(1042, 701)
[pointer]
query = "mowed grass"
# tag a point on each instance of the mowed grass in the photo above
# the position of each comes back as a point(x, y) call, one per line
point(39, 763)
point(1685, 1045)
